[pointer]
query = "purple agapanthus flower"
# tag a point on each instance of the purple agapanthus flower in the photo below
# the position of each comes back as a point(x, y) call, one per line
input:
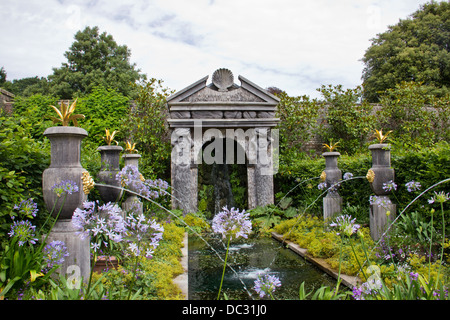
point(66, 186)
point(24, 231)
point(54, 254)
point(348, 175)
point(95, 220)
point(266, 285)
point(232, 222)
point(389, 186)
point(345, 225)
point(130, 178)
point(379, 201)
point(139, 228)
point(412, 186)
point(27, 207)
point(439, 197)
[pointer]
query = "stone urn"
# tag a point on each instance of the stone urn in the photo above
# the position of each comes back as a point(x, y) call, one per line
point(333, 173)
point(110, 159)
point(381, 167)
point(64, 165)
point(332, 202)
point(132, 159)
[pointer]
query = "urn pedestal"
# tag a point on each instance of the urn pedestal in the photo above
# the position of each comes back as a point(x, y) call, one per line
point(110, 159)
point(332, 202)
point(383, 211)
point(65, 165)
point(132, 202)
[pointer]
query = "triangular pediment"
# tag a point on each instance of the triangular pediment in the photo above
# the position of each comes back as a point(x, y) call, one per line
point(222, 103)
point(201, 92)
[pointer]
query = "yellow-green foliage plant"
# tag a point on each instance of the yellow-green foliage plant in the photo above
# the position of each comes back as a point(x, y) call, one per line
point(309, 233)
point(196, 223)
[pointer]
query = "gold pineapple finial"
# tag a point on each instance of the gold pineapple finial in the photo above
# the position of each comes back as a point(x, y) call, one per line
point(332, 146)
point(65, 114)
point(380, 136)
point(109, 137)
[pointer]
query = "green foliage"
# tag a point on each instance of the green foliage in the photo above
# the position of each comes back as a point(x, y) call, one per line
point(22, 161)
point(103, 108)
point(343, 108)
point(27, 87)
point(94, 59)
point(414, 226)
point(146, 126)
point(36, 109)
point(298, 123)
point(415, 49)
point(264, 218)
point(413, 115)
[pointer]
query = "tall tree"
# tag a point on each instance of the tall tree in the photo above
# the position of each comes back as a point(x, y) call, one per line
point(415, 49)
point(94, 59)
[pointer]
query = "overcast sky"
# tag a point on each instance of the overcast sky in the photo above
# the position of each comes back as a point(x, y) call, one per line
point(295, 45)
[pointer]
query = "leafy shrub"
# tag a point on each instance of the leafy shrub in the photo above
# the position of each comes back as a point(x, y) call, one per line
point(22, 161)
point(104, 108)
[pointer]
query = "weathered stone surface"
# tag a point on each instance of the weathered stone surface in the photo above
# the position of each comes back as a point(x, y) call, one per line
point(379, 220)
point(265, 114)
point(77, 264)
point(110, 159)
point(180, 115)
point(232, 114)
point(207, 114)
point(64, 165)
point(249, 114)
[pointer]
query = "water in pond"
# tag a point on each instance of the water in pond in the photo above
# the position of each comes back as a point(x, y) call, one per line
point(249, 257)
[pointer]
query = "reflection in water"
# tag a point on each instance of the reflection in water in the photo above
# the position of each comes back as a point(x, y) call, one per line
point(249, 257)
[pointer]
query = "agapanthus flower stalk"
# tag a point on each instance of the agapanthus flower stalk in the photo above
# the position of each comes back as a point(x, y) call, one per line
point(28, 208)
point(54, 254)
point(24, 231)
point(66, 186)
point(266, 285)
point(345, 225)
point(232, 223)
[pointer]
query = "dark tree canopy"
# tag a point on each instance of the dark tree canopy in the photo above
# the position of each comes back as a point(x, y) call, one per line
point(415, 49)
point(94, 59)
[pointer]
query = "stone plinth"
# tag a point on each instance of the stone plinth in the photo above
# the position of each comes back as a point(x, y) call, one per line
point(379, 218)
point(77, 264)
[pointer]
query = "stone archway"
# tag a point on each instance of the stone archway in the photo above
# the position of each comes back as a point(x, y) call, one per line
point(222, 110)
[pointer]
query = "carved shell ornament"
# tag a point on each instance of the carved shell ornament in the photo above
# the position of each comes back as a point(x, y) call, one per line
point(222, 79)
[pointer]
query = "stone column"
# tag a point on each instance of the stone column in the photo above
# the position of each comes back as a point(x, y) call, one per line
point(183, 175)
point(380, 173)
point(332, 202)
point(252, 199)
point(263, 172)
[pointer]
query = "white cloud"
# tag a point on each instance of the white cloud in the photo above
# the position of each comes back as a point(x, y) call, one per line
point(294, 45)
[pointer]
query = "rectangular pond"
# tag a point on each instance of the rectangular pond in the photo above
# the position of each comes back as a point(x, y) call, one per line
point(248, 258)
